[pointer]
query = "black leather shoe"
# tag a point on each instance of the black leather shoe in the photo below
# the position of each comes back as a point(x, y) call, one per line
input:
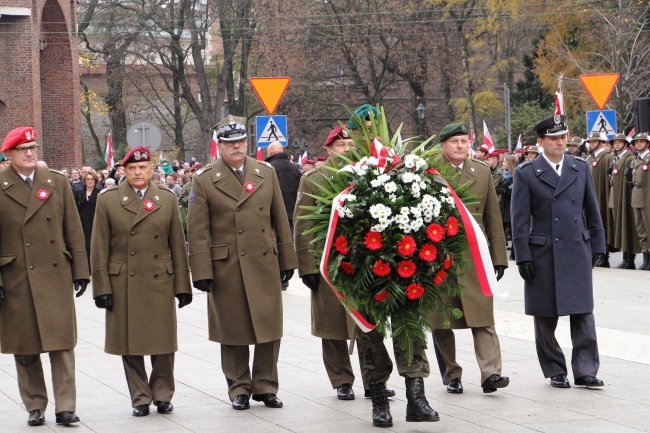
point(455, 386)
point(142, 410)
point(66, 418)
point(345, 392)
point(387, 393)
point(36, 417)
point(241, 402)
point(493, 382)
point(164, 407)
point(560, 381)
point(269, 400)
point(588, 381)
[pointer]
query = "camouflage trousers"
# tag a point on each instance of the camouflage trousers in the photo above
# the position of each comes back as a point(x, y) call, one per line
point(376, 365)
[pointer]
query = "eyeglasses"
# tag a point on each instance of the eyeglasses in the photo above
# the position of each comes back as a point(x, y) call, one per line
point(23, 150)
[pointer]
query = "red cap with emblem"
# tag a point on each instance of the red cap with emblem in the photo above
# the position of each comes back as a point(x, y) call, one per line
point(336, 134)
point(137, 154)
point(24, 134)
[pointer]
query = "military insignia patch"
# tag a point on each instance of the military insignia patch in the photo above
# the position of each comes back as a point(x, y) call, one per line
point(249, 186)
point(644, 168)
point(192, 195)
point(42, 194)
point(148, 205)
point(594, 164)
point(615, 171)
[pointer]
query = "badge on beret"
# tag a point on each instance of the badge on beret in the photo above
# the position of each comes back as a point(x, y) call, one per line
point(148, 205)
point(615, 171)
point(29, 136)
point(249, 186)
point(42, 194)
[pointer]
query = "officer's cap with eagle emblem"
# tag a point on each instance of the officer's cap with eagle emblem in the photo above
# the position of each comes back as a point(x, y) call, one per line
point(553, 126)
point(18, 136)
point(231, 128)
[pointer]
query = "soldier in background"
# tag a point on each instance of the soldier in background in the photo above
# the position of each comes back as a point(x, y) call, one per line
point(531, 153)
point(638, 175)
point(599, 161)
point(573, 145)
point(624, 233)
point(4, 161)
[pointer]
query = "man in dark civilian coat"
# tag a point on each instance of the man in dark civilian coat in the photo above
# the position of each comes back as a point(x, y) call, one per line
point(558, 236)
point(42, 256)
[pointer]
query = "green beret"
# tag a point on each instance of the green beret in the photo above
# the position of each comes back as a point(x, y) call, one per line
point(3, 157)
point(452, 130)
point(361, 114)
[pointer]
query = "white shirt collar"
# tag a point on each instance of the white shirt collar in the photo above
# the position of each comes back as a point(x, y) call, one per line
point(620, 155)
point(599, 151)
point(23, 177)
point(144, 190)
point(644, 154)
point(554, 164)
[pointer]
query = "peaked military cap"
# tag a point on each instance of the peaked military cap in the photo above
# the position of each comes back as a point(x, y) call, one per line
point(231, 128)
point(642, 136)
point(551, 126)
point(361, 114)
point(452, 130)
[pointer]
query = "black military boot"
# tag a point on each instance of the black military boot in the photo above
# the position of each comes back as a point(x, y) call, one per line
point(646, 260)
point(604, 261)
point(630, 261)
point(380, 408)
point(418, 409)
point(623, 264)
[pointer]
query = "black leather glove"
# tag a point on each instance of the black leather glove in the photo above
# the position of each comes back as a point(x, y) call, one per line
point(184, 299)
point(595, 258)
point(312, 281)
point(80, 286)
point(610, 168)
point(628, 174)
point(104, 301)
point(2, 296)
point(286, 275)
point(204, 285)
point(527, 271)
point(499, 270)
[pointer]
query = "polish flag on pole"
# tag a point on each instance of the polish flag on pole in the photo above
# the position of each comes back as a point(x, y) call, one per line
point(260, 154)
point(520, 143)
point(631, 133)
point(472, 139)
point(304, 156)
point(214, 150)
point(487, 139)
point(161, 155)
point(110, 162)
point(559, 103)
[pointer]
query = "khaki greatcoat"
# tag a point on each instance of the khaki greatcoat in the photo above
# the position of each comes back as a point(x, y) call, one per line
point(139, 256)
point(624, 229)
point(328, 316)
point(41, 254)
point(477, 308)
point(241, 240)
point(598, 166)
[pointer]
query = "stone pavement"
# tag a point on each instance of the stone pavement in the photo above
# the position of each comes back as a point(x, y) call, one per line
point(529, 404)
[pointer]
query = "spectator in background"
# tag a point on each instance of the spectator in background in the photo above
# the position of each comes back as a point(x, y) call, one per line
point(172, 184)
point(110, 183)
point(308, 164)
point(86, 199)
point(166, 166)
point(76, 182)
point(155, 178)
point(504, 190)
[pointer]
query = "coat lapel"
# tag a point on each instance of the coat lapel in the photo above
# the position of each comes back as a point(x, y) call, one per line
point(44, 186)
point(569, 175)
point(225, 180)
point(149, 198)
point(467, 174)
point(544, 173)
point(128, 199)
point(15, 188)
point(253, 179)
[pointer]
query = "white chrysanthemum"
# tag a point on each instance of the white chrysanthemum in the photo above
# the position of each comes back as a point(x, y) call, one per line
point(408, 177)
point(360, 169)
point(392, 198)
point(390, 187)
point(416, 224)
point(444, 190)
point(371, 161)
point(379, 211)
point(380, 180)
point(415, 211)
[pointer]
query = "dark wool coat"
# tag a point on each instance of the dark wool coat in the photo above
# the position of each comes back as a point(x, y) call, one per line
point(240, 239)
point(86, 210)
point(478, 309)
point(41, 254)
point(140, 257)
point(328, 316)
point(556, 224)
point(289, 178)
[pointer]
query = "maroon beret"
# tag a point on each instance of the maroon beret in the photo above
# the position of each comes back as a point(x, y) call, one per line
point(321, 158)
point(197, 166)
point(308, 161)
point(336, 134)
point(484, 149)
point(491, 154)
point(137, 154)
point(18, 136)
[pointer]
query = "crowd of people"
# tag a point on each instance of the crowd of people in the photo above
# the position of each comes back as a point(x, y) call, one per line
point(237, 222)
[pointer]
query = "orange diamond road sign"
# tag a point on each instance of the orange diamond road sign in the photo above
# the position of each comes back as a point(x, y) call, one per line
point(600, 86)
point(270, 90)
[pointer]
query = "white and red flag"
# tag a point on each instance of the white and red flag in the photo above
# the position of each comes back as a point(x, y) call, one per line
point(487, 139)
point(214, 150)
point(110, 161)
point(631, 133)
point(520, 143)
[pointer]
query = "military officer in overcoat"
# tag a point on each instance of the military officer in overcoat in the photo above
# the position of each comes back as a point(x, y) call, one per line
point(558, 236)
point(624, 236)
point(640, 201)
point(42, 256)
point(239, 238)
point(599, 161)
point(139, 265)
point(478, 309)
point(329, 320)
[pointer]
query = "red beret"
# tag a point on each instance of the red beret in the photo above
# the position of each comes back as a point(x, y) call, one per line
point(137, 154)
point(196, 166)
point(502, 150)
point(520, 151)
point(336, 134)
point(321, 158)
point(491, 154)
point(24, 134)
point(484, 149)
point(308, 161)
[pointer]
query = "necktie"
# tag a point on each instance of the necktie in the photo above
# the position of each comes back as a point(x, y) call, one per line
point(28, 181)
point(240, 176)
point(140, 194)
point(557, 167)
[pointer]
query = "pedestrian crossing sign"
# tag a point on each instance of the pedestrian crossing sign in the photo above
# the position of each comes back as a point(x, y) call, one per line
point(602, 121)
point(270, 129)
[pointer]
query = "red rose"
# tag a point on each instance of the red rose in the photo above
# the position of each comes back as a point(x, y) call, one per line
point(381, 268)
point(440, 277)
point(406, 268)
point(381, 296)
point(448, 261)
point(373, 241)
point(347, 268)
point(414, 291)
point(428, 253)
point(452, 226)
point(435, 232)
point(341, 245)
point(406, 246)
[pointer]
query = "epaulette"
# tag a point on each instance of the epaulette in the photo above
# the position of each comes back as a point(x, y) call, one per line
point(56, 171)
point(200, 171)
point(105, 190)
point(312, 171)
point(266, 163)
point(524, 164)
point(481, 162)
point(579, 158)
point(166, 188)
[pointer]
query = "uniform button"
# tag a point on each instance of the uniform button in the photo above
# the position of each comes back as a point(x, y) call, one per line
point(555, 219)
point(155, 275)
point(31, 268)
point(155, 237)
point(132, 274)
point(261, 208)
point(553, 199)
point(49, 218)
point(132, 233)
point(557, 239)
point(55, 264)
point(263, 229)
point(237, 209)
point(264, 253)
point(155, 256)
point(28, 245)
point(51, 241)
point(242, 254)
point(132, 253)
point(240, 231)
point(574, 200)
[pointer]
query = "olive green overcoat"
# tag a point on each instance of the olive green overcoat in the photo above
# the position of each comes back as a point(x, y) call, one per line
point(624, 235)
point(42, 251)
point(599, 166)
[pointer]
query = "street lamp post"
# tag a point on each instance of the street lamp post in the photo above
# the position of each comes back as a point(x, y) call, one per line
point(421, 109)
